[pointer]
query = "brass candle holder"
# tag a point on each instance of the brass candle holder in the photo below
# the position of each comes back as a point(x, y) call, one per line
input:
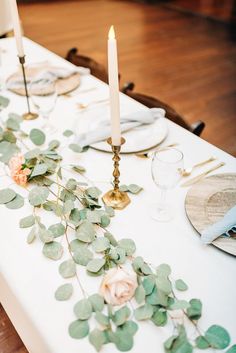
point(116, 198)
point(29, 115)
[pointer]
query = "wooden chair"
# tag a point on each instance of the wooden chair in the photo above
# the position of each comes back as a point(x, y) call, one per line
point(96, 69)
point(151, 102)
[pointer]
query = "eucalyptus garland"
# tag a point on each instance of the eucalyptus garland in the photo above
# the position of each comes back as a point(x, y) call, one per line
point(131, 289)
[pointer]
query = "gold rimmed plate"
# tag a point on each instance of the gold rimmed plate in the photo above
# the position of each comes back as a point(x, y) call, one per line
point(208, 201)
point(63, 85)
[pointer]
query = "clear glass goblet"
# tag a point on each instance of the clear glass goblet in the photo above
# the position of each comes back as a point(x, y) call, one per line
point(167, 165)
point(44, 96)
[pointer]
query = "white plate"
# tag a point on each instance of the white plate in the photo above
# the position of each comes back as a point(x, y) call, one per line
point(139, 139)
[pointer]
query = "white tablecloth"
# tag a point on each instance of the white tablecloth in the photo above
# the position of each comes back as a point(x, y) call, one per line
point(28, 280)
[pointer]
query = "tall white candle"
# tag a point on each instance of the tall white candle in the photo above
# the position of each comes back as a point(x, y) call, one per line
point(114, 88)
point(16, 27)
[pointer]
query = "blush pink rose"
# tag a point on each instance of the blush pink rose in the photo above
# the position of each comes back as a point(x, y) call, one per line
point(18, 174)
point(118, 286)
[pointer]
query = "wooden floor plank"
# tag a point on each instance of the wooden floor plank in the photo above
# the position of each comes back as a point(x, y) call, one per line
point(187, 61)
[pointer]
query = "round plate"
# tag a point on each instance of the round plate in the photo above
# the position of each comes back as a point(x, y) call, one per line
point(208, 201)
point(139, 139)
point(64, 85)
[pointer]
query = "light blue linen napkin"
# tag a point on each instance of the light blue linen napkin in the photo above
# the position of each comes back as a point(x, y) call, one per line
point(48, 74)
point(128, 122)
point(222, 227)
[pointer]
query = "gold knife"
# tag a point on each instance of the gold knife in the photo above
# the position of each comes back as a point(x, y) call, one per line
point(202, 175)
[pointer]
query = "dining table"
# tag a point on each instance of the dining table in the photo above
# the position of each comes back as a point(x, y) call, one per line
point(28, 279)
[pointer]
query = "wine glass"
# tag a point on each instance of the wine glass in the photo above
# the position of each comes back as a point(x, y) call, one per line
point(167, 165)
point(44, 95)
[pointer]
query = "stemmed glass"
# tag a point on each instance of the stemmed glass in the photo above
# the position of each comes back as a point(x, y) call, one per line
point(44, 95)
point(167, 165)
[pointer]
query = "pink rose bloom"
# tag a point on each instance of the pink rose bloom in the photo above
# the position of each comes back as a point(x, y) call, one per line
point(118, 286)
point(18, 174)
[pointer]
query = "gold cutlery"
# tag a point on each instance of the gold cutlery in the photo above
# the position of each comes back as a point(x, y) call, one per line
point(150, 153)
point(188, 171)
point(86, 105)
point(202, 175)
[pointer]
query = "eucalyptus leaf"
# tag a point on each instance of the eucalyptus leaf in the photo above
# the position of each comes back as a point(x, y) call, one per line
point(82, 256)
point(57, 229)
point(149, 284)
point(93, 192)
point(78, 168)
point(83, 309)
point(194, 311)
point(201, 342)
point(124, 342)
point(97, 302)
point(38, 195)
point(75, 148)
point(95, 265)
point(27, 222)
point(39, 169)
point(53, 250)
point(67, 269)
point(31, 236)
point(64, 292)
point(79, 329)
point(144, 312)
point(102, 319)
point(121, 315)
point(232, 349)
point(45, 235)
point(128, 245)
point(16, 203)
point(130, 327)
point(33, 153)
point(13, 124)
point(180, 304)
point(134, 189)
point(85, 232)
point(217, 337)
point(110, 211)
point(37, 137)
point(97, 339)
point(68, 133)
point(4, 101)
point(140, 294)
point(93, 216)
point(111, 238)
point(181, 285)
point(53, 144)
point(100, 244)
point(163, 270)
point(159, 318)
point(164, 284)
point(7, 150)
point(7, 195)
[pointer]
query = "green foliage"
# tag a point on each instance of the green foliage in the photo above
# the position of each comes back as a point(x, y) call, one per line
point(79, 329)
point(27, 222)
point(194, 311)
point(181, 285)
point(7, 195)
point(217, 337)
point(144, 312)
point(83, 309)
point(67, 269)
point(37, 137)
point(64, 292)
point(53, 250)
point(38, 195)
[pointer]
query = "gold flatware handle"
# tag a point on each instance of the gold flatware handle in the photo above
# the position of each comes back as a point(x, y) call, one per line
point(148, 153)
point(202, 175)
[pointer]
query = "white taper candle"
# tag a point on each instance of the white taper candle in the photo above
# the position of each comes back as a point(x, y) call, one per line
point(113, 75)
point(17, 27)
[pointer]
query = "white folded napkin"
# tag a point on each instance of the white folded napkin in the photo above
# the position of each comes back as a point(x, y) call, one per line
point(50, 73)
point(128, 122)
point(222, 227)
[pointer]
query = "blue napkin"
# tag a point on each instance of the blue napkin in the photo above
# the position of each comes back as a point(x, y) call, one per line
point(222, 227)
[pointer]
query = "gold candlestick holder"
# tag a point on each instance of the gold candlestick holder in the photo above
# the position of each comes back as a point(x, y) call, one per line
point(29, 115)
point(116, 198)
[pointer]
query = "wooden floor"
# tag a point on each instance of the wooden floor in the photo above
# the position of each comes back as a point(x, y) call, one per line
point(185, 60)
